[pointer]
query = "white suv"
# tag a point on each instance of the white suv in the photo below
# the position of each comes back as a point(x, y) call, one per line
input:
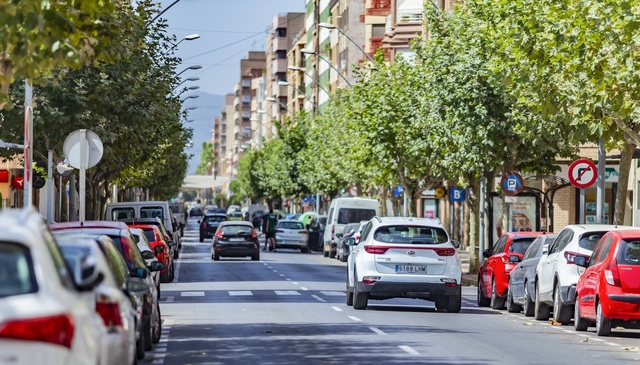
point(404, 257)
point(557, 275)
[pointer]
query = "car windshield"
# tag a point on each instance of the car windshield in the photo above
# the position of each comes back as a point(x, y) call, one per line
point(520, 245)
point(16, 270)
point(151, 235)
point(236, 229)
point(410, 234)
point(290, 225)
point(629, 252)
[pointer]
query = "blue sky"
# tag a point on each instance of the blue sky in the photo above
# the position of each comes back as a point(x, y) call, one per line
point(228, 30)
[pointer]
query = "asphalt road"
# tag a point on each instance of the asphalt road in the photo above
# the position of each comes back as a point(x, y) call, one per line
point(289, 308)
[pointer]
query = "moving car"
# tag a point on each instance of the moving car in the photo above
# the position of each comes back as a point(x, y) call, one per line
point(608, 292)
point(522, 278)
point(557, 274)
point(195, 212)
point(342, 212)
point(493, 275)
point(44, 321)
point(209, 224)
point(292, 234)
point(342, 251)
point(404, 257)
point(235, 239)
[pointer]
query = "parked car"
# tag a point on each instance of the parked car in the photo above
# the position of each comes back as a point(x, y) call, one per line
point(173, 248)
point(235, 216)
point(128, 211)
point(209, 224)
point(117, 310)
point(493, 275)
point(125, 243)
point(608, 292)
point(43, 320)
point(235, 239)
point(520, 294)
point(342, 251)
point(316, 232)
point(292, 234)
point(342, 212)
point(178, 211)
point(556, 273)
point(404, 257)
point(150, 236)
point(196, 212)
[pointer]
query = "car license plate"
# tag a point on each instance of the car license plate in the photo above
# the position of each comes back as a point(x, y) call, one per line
point(411, 269)
point(236, 239)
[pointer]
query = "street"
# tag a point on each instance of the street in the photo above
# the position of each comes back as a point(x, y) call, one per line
point(289, 308)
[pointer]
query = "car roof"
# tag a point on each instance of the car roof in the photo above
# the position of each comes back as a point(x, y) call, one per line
point(627, 233)
point(236, 223)
point(216, 215)
point(408, 220)
point(88, 224)
point(526, 234)
point(582, 228)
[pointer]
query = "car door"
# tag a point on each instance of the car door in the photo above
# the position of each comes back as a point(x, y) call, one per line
point(355, 250)
point(490, 264)
point(591, 278)
point(547, 265)
point(518, 274)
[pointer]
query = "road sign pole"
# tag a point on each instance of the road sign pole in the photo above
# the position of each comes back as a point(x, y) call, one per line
point(28, 144)
point(83, 173)
point(481, 240)
point(50, 187)
point(601, 166)
point(581, 219)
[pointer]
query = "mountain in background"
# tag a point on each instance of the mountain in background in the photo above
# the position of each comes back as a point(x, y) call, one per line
point(208, 108)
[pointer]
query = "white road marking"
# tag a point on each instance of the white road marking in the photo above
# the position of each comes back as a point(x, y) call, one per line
point(295, 283)
point(333, 293)
point(303, 288)
point(240, 292)
point(408, 350)
point(354, 318)
point(282, 275)
point(288, 279)
point(337, 309)
point(161, 348)
point(192, 294)
point(170, 299)
point(286, 292)
point(612, 344)
point(377, 330)
point(319, 299)
point(581, 335)
point(275, 270)
point(597, 339)
point(567, 331)
point(177, 271)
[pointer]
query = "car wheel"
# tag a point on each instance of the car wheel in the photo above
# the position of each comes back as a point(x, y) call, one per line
point(166, 276)
point(512, 307)
point(481, 301)
point(176, 254)
point(158, 332)
point(360, 300)
point(173, 271)
point(304, 250)
point(148, 344)
point(603, 324)
point(216, 257)
point(455, 302)
point(201, 238)
point(255, 257)
point(349, 293)
point(561, 312)
point(332, 254)
point(324, 252)
point(579, 323)
point(140, 347)
point(497, 302)
point(541, 310)
point(441, 304)
point(528, 303)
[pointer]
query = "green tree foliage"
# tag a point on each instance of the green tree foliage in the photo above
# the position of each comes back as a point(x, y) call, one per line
point(207, 159)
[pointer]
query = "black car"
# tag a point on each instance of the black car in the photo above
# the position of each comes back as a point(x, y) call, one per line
point(316, 232)
point(235, 239)
point(195, 212)
point(209, 224)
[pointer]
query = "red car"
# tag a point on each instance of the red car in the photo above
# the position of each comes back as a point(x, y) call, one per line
point(156, 239)
point(609, 289)
point(493, 276)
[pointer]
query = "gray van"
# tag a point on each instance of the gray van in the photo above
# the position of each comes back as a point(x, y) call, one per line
point(146, 209)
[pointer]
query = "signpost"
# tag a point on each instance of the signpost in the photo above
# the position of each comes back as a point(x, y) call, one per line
point(511, 183)
point(582, 174)
point(83, 149)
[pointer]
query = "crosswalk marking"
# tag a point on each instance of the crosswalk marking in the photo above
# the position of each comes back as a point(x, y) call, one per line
point(333, 293)
point(240, 292)
point(286, 292)
point(192, 294)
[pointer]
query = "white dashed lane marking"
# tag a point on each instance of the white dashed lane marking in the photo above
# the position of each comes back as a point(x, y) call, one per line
point(192, 294)
point(286, 292)
point(408, 350)
point(377, 330)
point(354, 318)
point(318, 298)
point(240, 293)
point(337, 309)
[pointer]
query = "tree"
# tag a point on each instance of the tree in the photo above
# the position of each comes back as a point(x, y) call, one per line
point(207, 159)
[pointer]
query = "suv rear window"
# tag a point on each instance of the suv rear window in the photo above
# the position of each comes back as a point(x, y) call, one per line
point(211, 219)
point(118, 214)
point(290, 225)
point(16, 270)
point(236, 229)
point(151, 234)
point(588, 240)
point(354, 215)
point(417, 235)
point(520, 245)
point(629, 253)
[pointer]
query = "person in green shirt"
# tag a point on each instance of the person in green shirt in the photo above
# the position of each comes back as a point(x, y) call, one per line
point(270, 224)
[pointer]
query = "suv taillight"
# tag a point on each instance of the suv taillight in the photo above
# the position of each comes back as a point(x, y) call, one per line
point(254, 234)
point(570, 256)
point(109, 312)
point(203, 225)
point(445, 251)
point(376, 250)
point(57, 330)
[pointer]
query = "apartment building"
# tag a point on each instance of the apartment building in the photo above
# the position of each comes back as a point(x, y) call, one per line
point(316, 74)
point(376, 15)
point(223, 140)
point(348, 16)
point(297, 99)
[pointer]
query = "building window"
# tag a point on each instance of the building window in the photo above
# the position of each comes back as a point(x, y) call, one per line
point(281, 32)
point(246, 132)
point(246, 115)
point(246, 100)
point(246, 84)
point(377, 30)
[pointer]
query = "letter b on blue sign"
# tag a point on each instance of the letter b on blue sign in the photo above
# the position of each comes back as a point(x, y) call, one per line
point(456, 195)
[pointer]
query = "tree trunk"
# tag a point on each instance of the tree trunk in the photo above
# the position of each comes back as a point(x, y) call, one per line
point(623, 182)
point(6, 75)
point(474, 216)
point(384, 192)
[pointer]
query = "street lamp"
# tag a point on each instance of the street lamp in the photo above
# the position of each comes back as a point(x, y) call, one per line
point(310, 51)
point(300, 69)
point(194, 78)
point(191, 108)
point(190, 97)
point(8, 145)
point(190, 121)
point(194, 67)
point(331, 26)
point(274, 100)
point(189, 37)
point(194, 87)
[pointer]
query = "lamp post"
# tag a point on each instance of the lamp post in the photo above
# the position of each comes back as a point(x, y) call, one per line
point(310, 51)
point(274, 100)
point(331, 26)
point(195, 87)
point(8, 145)
point(298, 68)
point(189, 97)
point(194, 78)
point(194, 67)
point(189, 37)
point(164, 11)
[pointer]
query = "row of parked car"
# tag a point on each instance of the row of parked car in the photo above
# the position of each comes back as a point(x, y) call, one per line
point(81, 292)
point(590, 273)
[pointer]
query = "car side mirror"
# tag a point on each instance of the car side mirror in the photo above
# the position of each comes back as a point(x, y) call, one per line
point(148, 255)
point(545, 249)
point(158, 249)
point(456, 244)
point(157, 266)
point(136, 238)
point(339, 235)
point(137, 287)
point(349, 241)
point(581, 261)
point(514, 259)
point(140, 273)
point(486, 254)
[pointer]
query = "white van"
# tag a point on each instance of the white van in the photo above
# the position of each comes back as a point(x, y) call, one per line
point(146, 209)
point(342, 212)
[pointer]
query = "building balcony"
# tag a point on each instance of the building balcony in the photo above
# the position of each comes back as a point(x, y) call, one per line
point(279, 44)
point(378, 8)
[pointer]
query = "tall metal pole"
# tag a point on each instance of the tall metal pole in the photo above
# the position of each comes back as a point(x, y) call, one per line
point(83, 174)
point(316, 49)
point(601, 172)
point(50, 187)
point(28, 143)
point(481, 238)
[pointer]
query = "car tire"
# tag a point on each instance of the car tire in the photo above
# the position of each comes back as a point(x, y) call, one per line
point(176, 254)
point(580, 324)
point(360, 300)
point(512, 307)
point(603, 324)
point(148, 344)
point(497, 302)
point(324, 253)
point(561, 312)
point(216, 257)
point(166, 276)
point(332, 254)
point(349, 293)
point(304, 250)
point(541, 310)
point(140, 347)
point(454, 303)
point(173, 271)
point(255, 257)
point(158, 333)
point(528, 303)
point(201, 238)
point(481, 300)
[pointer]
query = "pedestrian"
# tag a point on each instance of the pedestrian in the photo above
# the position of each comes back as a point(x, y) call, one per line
point(270, 224)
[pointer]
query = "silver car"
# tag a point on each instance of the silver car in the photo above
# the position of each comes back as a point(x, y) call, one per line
point(292, 234)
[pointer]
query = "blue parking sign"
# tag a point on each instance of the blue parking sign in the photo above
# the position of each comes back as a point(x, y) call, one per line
point(457, 195)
